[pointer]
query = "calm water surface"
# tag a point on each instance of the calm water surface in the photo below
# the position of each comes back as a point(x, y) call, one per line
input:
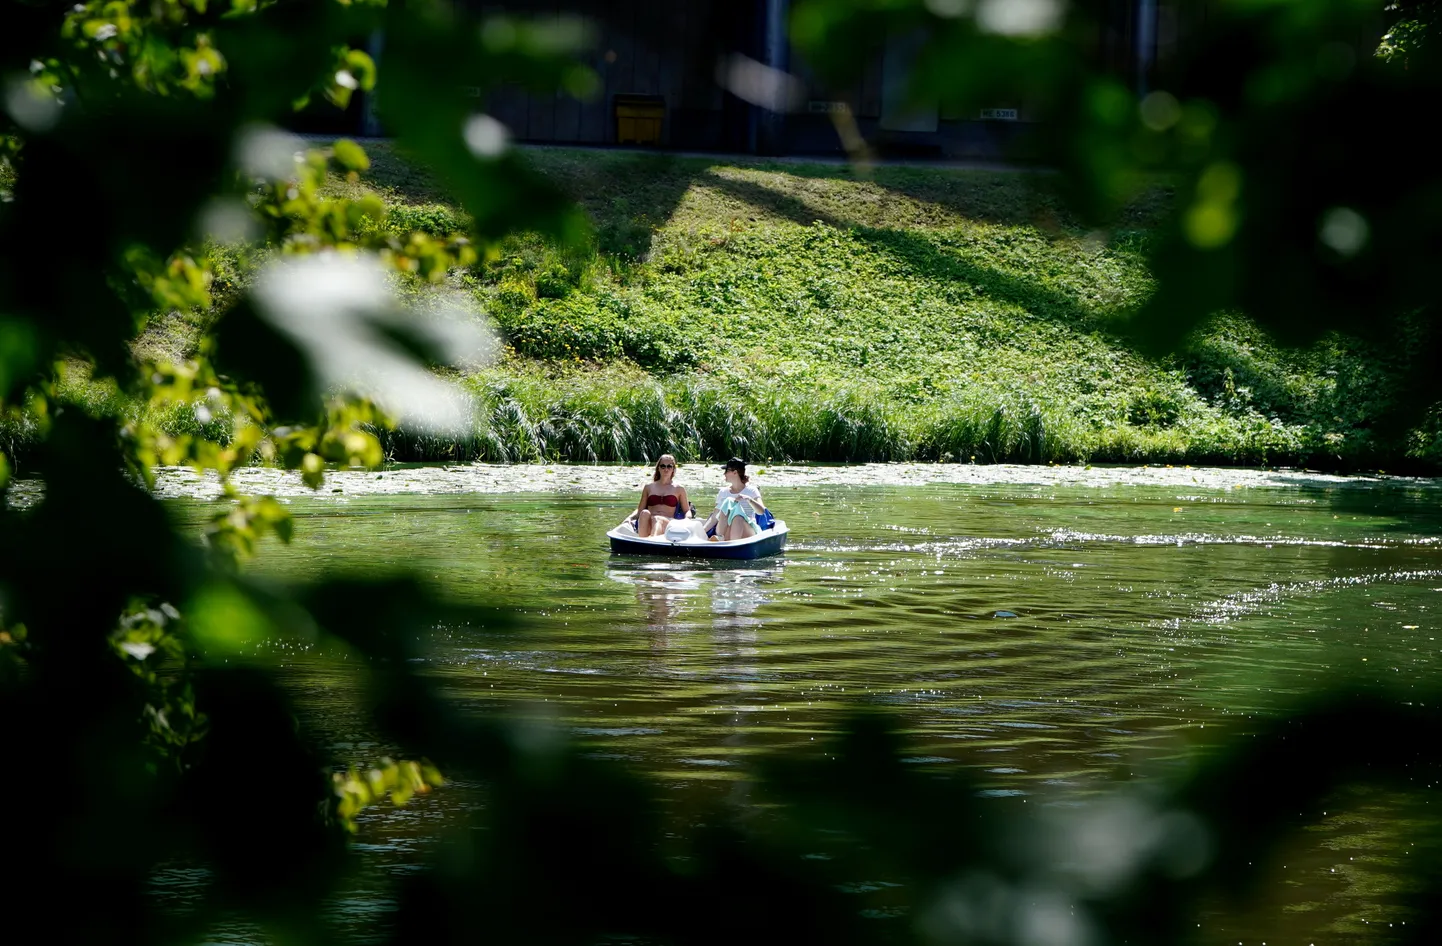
point(1053, 639)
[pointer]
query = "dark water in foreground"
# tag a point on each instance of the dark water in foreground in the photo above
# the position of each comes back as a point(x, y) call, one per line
point(1052, 639)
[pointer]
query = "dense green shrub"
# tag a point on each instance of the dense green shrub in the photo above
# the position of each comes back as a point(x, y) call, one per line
point(554, 282)
point(580, 329)
point(437, 220)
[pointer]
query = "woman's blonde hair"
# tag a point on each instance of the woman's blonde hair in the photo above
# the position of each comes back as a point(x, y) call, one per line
point(656, 473)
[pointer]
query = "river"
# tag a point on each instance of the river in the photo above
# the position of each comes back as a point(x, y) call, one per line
point(1058, 631)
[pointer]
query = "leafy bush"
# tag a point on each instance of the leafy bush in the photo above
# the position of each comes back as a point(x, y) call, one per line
point(514, 294)
point(580, 329)
point(554, 282)
point(1151, 407)
point(437, 220)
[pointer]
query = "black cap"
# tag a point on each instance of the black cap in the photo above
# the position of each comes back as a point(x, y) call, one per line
point(735, 463)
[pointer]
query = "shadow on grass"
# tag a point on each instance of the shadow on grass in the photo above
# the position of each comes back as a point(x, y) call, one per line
point(1012, 198)
point(628, 195)
point(623, 184)
point(923, 256)
point(401, 178)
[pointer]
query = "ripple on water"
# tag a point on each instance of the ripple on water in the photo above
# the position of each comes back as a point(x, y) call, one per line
point(1152, 607)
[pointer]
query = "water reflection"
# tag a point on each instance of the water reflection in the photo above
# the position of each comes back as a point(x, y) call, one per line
point(1145, 617)
point(664, 594)
point(742, 689)
point(668, 596)
point(676, 600)
point(736, 594)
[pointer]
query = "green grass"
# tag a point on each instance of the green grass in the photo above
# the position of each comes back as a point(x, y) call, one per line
point(600, 413)
point(812, 312)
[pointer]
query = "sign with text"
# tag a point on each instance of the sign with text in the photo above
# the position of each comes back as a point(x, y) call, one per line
point(998, 115)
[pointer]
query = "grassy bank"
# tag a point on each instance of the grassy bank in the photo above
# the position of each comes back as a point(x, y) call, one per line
point(807, 311)
point(812, 312)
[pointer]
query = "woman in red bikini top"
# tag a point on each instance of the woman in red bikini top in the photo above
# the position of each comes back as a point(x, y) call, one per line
point(661, 500)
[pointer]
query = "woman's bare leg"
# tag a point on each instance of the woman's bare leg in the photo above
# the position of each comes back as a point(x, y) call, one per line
point(738, 528)
point(643, 523)
point(659, 524)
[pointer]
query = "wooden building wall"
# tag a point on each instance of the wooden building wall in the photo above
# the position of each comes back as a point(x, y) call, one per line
point(666, 48)
point(670, 48)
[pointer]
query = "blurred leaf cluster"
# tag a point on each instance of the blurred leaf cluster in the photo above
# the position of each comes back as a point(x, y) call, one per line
point(160, 48)
point(138, 137)
point(398, 781)
point(1411, 24)
point(138, 667)
point(149, 643)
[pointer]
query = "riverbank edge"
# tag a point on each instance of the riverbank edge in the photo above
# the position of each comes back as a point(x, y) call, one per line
point(621, 480)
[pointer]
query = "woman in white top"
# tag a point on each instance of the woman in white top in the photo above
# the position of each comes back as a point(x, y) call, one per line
point(736, 505)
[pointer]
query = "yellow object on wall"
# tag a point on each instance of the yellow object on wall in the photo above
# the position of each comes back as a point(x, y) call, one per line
point(639, 118)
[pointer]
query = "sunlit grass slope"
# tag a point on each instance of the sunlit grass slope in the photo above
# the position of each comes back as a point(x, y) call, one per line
point(812, 312)
point(809, 311)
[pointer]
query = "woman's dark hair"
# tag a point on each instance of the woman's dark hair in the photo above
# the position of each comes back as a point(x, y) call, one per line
point(739, 465)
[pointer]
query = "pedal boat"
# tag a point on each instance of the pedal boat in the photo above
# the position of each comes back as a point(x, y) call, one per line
point(685, 538)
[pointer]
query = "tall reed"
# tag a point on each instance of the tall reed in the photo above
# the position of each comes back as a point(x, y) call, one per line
point(637, 419)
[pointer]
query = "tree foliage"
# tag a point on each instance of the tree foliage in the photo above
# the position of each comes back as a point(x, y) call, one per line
point(134, 682)
point(1412, 24)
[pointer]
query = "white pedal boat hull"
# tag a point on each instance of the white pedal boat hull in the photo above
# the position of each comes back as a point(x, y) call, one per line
point(625, 541)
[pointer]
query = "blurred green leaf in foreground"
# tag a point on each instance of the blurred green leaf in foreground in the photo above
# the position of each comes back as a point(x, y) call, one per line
point(143, 721)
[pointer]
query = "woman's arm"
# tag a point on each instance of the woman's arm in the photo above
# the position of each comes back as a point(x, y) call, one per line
point(641, 503)
point(684, 503)
point(755, 502)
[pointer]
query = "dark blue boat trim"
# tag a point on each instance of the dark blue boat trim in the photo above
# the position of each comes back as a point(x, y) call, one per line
point(769, 545)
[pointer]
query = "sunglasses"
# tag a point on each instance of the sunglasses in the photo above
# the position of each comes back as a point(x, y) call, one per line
point(665, 466)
